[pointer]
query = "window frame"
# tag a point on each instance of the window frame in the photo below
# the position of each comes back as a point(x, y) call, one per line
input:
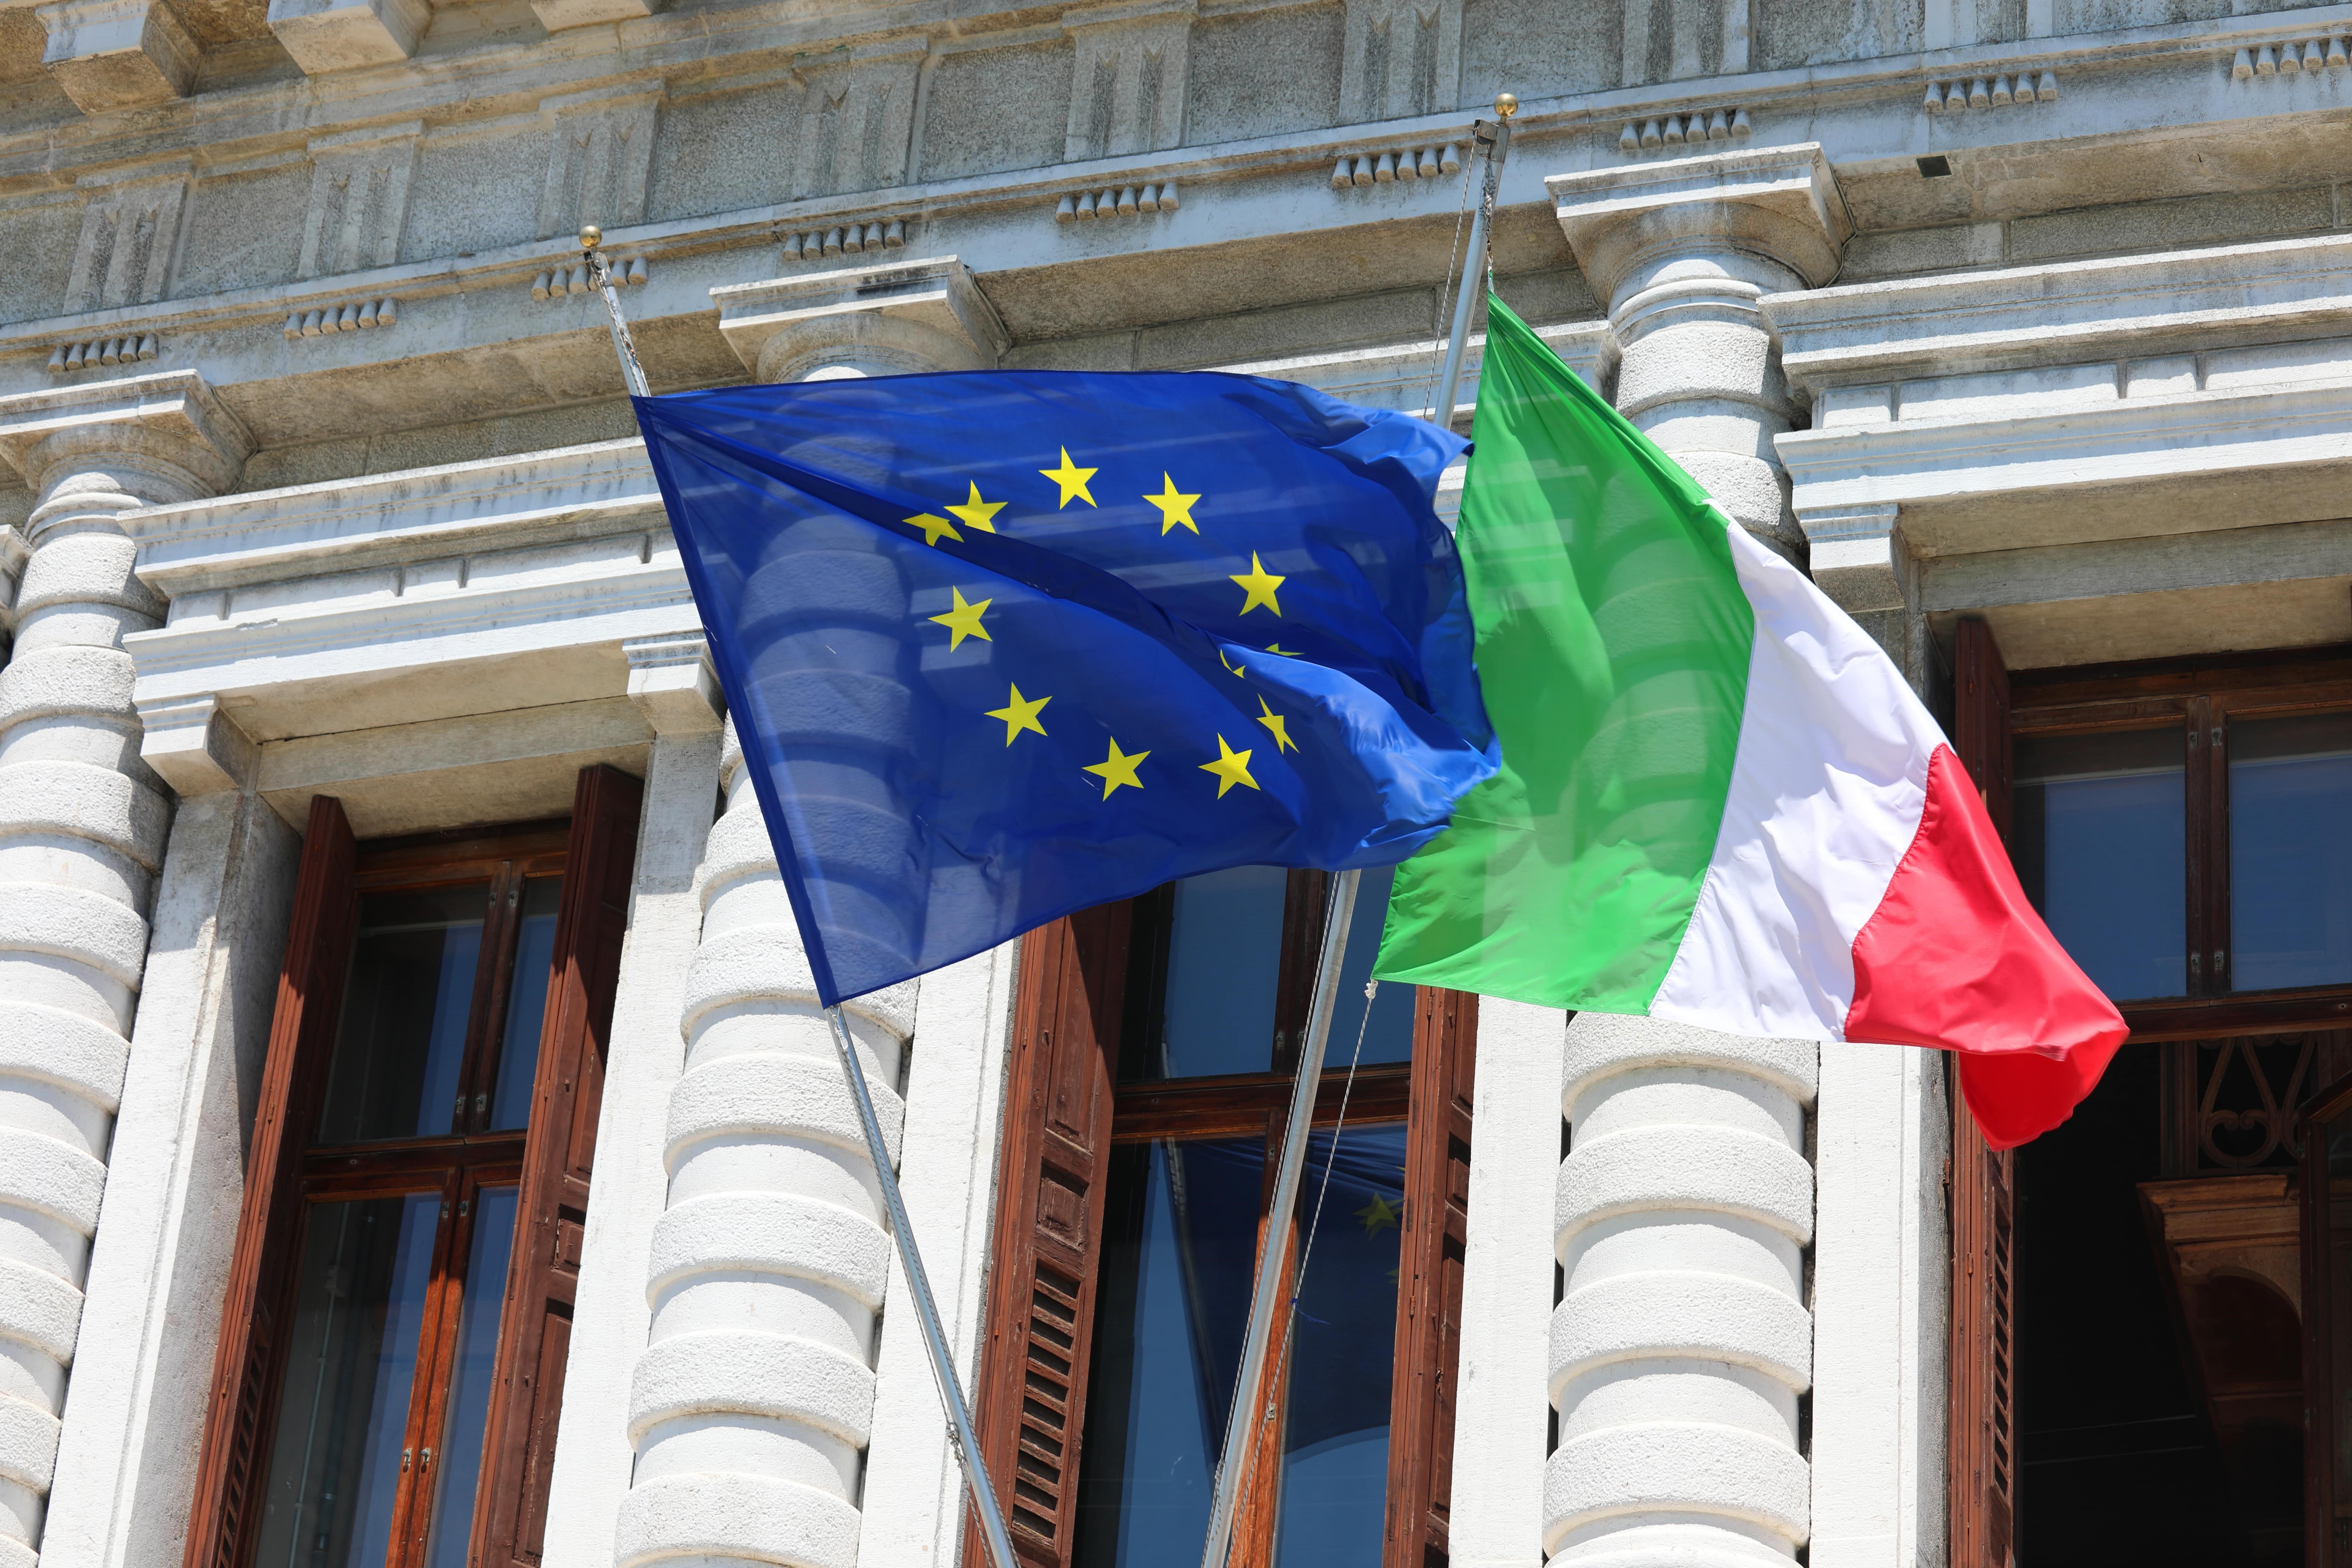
point(546, 1161)
point(2202, 696)
point(1092, 981)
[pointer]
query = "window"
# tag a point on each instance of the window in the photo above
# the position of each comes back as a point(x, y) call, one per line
point(2147, 1301)
point(392, 1355)
point(1155, 1044)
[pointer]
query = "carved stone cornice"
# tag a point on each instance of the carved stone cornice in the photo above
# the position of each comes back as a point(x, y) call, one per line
point(897, 318)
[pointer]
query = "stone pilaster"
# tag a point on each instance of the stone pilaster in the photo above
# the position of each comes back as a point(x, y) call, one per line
point(751, 1403)
point(82, 828)
point(1682, 1341)
point(898, 318)
point(1683, 250)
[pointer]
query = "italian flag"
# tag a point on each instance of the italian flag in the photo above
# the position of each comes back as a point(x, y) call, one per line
point(1720, 803)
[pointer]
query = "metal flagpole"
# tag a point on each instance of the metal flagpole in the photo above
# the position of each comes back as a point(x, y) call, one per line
point(1269, 1292)
point(926, 1311)
point(1492, 140)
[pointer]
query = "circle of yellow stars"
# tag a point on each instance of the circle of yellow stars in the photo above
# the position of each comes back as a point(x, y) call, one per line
point(1020, 715)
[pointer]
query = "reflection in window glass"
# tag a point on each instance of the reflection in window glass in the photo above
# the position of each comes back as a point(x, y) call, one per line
point(1335, 1466)
point(2101, 851)
point(2290, 851)
point(403, 1043)
point(1180, 1246)
point(359, 1309)
point(526, 1002)
point(1388, 1037)
point(1224, 963)
point(469, 1397)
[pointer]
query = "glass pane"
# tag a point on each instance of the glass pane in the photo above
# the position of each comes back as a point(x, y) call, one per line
point(403, 1046)
point(334, 1462)
point(1335, 1466)
point(1388, 1037)
point(2290, 851)
point(1224, 963)
point(2100, 847)
point(526, 1002)
point(1180, 1246)
point(469, 1394)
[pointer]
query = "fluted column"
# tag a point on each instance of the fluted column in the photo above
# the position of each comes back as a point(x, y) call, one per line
point(751, 1405)
point(1683, 250)
point(1682, 1341)
point(82, 827)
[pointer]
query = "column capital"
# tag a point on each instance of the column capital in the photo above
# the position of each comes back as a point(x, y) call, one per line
point(158, 438)
point(898, 318)
point(1780, 203)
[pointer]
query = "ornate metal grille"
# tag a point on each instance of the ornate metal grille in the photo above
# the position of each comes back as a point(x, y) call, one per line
point(2231, 1103)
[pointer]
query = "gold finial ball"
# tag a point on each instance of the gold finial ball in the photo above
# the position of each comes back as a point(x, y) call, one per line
point(590, 237)
point(1507, 104)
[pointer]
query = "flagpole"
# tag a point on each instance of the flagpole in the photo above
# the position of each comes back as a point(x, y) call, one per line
point(911, 1257)
point(1270, 1292)
point(1492, 142)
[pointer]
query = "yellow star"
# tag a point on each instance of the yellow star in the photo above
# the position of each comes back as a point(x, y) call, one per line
point(1277, 647)
point(978, 513)
point(964, 621)
point(1118, 768)
point(1238, 670)
point(1379, 1215)
point(1020, 713)
point(1259, 583)
point(1273, 720)
point(1073, 480)
point(933, 527)
point(1174, 508)
point(1231, 768)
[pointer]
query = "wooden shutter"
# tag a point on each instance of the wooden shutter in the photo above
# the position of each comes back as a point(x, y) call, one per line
point(235, 1462)
point(1983, 1459)
point(1049, 1232)
point(551, 1210)
point(1429, 1292)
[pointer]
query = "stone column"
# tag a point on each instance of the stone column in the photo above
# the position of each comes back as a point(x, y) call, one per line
point(82, 825)
point(1683, 250)
point(752, 1402)
point(1682, 1341)
point(175, 1182)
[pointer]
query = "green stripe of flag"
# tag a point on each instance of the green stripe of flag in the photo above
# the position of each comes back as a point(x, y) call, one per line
point(1612, 644)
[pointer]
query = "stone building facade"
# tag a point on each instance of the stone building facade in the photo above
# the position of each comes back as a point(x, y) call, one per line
point(2026, 325)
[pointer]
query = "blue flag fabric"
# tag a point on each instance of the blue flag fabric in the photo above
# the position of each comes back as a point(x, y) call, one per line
point(1001, 646)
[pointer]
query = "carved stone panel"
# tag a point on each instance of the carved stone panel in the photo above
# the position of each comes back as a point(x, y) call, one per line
point(359, 197)
point(858, 117)
point(1401, 58)
point(128, 231)
point(1128, 80)
point(596, 165)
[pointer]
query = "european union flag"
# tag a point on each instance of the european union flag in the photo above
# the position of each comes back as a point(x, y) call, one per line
point(1001, 646)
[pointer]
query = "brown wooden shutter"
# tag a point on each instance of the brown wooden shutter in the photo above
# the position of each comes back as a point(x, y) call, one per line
point(1983, 1459)
point(552, 1212)
point(1429, 1292)
point(1049, 1233)
point(235, 1462)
